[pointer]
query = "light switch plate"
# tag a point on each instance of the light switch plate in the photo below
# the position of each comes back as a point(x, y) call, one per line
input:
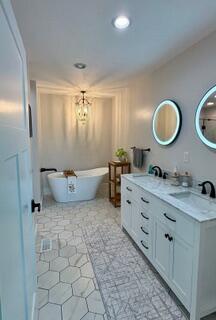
point(186, 156)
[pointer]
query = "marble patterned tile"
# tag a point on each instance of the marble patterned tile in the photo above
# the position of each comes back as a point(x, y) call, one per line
point(83, 287)
point(78, 260)
point(67, 251)
point(87, 270)
point(42, 267)
point(48, 279)
point(95, 303)
point(70, 274)
point(59, 264)
point(41, 297)
point(50, 312)
point(60, 293)
point(74, 308)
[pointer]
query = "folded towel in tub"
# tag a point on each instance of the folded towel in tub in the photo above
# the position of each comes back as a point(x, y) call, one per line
point(72, 184)
point(138, 158)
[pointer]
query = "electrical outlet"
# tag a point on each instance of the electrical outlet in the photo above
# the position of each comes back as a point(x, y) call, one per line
point(186, 156)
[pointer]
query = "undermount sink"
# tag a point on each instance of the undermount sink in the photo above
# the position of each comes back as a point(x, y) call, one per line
point(195, 201)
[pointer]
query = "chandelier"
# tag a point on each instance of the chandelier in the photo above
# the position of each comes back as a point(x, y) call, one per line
point(82, 108)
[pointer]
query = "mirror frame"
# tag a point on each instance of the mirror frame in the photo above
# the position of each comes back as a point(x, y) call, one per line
point(178, 125)
point(197, 117)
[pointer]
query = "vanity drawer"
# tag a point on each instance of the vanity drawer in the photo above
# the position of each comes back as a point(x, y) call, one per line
point(129, 188)
point(177, 221)
point(144, 199)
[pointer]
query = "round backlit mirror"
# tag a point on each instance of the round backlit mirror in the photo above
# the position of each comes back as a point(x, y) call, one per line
point(206, 118)
point(166, 122)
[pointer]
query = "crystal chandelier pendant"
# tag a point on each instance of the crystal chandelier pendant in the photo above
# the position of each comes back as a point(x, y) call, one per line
point(82, 108)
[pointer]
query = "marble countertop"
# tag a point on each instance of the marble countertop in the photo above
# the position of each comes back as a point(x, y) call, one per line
point(163, 189)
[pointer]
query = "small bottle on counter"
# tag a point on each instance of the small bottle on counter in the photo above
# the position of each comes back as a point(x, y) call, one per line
point(186, 179)
point(175, 179)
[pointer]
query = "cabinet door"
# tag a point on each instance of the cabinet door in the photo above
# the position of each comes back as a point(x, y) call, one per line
point(126, 210)
point(161, 249)
point(181, 269)
point(135, 221)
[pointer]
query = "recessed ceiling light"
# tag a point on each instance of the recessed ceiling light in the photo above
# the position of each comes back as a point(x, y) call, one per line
point(80, 65)
point(210, 103)
point(121, 22)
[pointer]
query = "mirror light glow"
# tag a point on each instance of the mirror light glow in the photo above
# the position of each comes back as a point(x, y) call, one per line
point(178, 122)
point(197, 118)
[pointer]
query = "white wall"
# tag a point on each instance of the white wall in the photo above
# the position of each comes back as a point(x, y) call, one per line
point(185, 79)
point(66, 143)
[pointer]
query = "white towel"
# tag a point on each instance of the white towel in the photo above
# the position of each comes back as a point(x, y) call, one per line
point(71, 181)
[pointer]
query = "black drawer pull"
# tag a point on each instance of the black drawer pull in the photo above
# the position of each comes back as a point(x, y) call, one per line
point(144, 245)
point(144, 230)
point(128, 201)
point(166, 235)
point(129, 189)
point(166, 216)
point(146, 201)
point(147, 218)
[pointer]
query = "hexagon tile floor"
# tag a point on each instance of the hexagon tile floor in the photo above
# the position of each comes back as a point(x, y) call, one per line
point(67, 286)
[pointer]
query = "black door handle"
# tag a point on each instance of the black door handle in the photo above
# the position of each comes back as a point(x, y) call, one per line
point(128, 201)
point(128, 189)
point(166, 216)
point(34, 206)
point(166, 235)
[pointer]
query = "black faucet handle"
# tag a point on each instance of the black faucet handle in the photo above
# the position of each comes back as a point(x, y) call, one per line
point(203, 188)
point(155, 172)
point(165, 174)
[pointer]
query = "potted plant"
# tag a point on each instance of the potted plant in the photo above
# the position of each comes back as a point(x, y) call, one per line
point(121, 154)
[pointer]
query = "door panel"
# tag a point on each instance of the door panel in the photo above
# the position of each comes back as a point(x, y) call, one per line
point(12, 254)
point(17, 276)
point(161, 249)
point(11, 110)
point(181, 273)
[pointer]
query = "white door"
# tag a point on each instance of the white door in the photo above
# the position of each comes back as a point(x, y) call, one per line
point(17, 280)
point(162, 249)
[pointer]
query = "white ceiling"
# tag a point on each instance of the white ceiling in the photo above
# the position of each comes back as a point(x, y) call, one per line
point(59, 33)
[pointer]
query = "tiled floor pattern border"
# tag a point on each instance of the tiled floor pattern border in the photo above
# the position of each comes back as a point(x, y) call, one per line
point(128, 284)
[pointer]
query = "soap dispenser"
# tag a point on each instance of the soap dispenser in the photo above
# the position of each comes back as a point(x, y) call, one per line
point(175, 177)
point(185, 179)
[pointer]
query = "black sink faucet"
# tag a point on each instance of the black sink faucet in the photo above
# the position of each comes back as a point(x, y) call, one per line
point(157, 170)
point(212, 192)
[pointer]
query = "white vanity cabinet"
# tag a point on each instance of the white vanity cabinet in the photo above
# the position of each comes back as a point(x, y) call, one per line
point(181, 248)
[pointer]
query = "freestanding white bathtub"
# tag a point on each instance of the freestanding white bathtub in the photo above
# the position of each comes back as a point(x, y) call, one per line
point(87, 184)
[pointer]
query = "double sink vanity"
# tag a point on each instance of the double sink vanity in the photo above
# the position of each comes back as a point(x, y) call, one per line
point(175, 228)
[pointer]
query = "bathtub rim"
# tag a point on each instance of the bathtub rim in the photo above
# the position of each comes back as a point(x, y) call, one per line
point(60, 175)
